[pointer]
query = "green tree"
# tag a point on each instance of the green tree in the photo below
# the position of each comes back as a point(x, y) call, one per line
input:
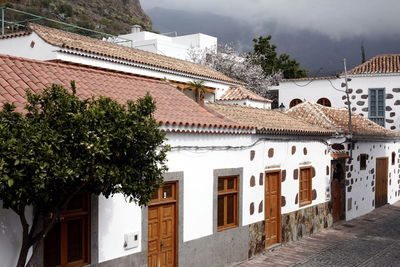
point(265, 55)
point(64, 145)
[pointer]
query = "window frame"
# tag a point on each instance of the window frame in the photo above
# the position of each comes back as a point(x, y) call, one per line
point(307, 201)
point(363, 161)
point(373, 93)
point(294, 102)
point(393, 158)
point(324, 102)
point(224, 194)
point(82, 213)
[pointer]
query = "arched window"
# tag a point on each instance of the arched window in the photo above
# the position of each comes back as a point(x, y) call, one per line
point(324, 101)
point(295, 102)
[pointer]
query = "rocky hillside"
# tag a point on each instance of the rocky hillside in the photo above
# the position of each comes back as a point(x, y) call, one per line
point(110, 16)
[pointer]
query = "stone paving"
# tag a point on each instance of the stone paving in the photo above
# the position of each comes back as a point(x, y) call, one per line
point(370, 240)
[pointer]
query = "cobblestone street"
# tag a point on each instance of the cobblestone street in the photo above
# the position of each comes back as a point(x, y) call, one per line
point(371, 240)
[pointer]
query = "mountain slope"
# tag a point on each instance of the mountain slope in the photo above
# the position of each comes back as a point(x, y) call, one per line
point(110, 16)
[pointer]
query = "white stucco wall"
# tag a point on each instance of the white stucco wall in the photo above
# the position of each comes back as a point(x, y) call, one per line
point(198, 167)
point(117, 217)
point(21, 47)
point(11, 236)
point(361, 183)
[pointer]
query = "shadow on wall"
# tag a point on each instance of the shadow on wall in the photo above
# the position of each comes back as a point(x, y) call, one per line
point(10, 237)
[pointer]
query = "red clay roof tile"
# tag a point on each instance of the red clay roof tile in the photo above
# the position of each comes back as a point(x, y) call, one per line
point(172, 105)
point(98, 47)
point(389, 63)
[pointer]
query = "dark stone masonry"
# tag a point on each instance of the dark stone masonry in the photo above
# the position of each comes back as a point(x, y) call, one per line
point(304, 222)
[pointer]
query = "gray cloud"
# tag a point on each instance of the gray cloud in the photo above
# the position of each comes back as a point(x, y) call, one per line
point(335, 18)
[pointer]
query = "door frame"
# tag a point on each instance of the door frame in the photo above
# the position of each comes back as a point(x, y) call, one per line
point(387, 178)
point(279, 223)
point(176, 216)
point(177, 177)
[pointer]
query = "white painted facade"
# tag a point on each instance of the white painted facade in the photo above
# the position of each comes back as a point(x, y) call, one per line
point(176, 47)
point(360, 185)
point(313, 90)
point(116, 217)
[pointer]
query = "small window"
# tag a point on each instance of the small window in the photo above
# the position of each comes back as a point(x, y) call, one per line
point(305, 190)
point(363, 161)
point(376, 109)
point(164, 193)
point(227, 202)
point(295, 102)
point(393, 158)
point(324, 102)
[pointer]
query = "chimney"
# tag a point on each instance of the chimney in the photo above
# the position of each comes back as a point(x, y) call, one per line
point(136, 28)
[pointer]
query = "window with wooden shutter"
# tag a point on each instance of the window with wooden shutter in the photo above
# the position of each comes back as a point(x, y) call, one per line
point(227, 209)
point(305, 194)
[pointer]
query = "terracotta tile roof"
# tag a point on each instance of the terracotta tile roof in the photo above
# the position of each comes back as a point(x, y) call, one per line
point(14, 34)
point(337, 119)
point(103, 48)
point(389, 63)
point(240, 93)
point(173, 107)
point(266, 120)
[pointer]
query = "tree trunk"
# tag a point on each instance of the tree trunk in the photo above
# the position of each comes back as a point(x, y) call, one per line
point(25, 239)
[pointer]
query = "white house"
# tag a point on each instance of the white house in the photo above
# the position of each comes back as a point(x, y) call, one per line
point(223, 175)
point(171, 46)
point(374, 90)
point(365, 162)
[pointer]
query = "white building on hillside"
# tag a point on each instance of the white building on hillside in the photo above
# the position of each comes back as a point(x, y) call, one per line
point(171, 46)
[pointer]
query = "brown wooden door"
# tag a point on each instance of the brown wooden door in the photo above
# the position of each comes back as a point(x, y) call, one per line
point(337, 188)
point(272, 208)
point(336, 200)
point(162, 229)
point(381, 182)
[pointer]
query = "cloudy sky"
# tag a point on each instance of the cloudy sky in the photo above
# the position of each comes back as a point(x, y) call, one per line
point(335, 18)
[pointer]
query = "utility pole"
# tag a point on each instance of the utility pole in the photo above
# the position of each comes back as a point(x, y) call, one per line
point(2, 20)
point(348, 97)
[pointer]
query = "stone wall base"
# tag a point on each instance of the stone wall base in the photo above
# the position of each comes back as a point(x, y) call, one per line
point(304, 222)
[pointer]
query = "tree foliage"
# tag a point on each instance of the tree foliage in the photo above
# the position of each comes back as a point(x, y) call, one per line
point(64, 145)
point(266, 56)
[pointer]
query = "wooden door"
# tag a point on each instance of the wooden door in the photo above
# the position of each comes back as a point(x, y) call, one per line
point(337, 191)
point(381, 182)
point(162, 229)
point(272, 208)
